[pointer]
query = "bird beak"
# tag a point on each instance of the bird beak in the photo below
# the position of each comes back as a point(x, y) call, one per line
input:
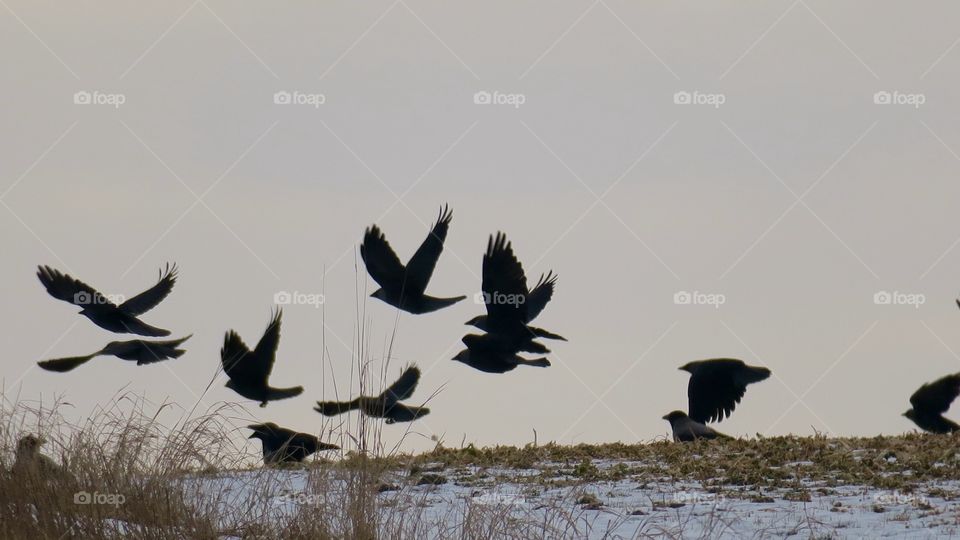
point(665, 416)
point(252, 435)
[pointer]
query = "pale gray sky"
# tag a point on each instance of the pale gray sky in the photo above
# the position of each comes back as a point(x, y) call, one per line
point(797, 198)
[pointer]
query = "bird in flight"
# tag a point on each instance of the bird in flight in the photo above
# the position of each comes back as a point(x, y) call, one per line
point(931, 400)
point(404, 286)
point(716, 386)
point(138, 350)
point(686, 429)
point(249, 370)
point(282, 445)
point(95, 306)
point(386, 405)
point(510, 305)
point(489, 354)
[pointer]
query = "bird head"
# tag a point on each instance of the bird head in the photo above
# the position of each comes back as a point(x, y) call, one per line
point(30, 444)
point(477, 321)
point(261, 430)
point(911, 414)
point(379, 293)
point(674, 416)
point(688, 367)
point(462, 356)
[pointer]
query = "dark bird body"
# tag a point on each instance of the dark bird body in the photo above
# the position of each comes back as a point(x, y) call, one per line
point(686, 429)
point(249, 370)
point(402, 286)
point(717, 386)
point(136, 350)
point(282, 445)
point(931, 400)
point(121, 319)
point(489, 354)
point(386, 405)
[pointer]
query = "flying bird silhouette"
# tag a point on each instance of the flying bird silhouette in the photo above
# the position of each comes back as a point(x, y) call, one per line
point(95, 306)
point(489, 354)
point(249, 370)
point(931, 400)
point(386, 405)
point(143, 352)
point(686, 429)
point(404, 286)
point(510, 305)
point(716, 386)
point(282, 445)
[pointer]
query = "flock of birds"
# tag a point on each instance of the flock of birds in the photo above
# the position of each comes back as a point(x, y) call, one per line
point(714, 389)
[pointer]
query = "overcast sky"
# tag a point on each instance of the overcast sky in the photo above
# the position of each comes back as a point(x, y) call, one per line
point(781, 163)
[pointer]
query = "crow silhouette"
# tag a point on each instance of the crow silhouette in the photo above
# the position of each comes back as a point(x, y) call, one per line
point(490, 354)
point(716, 386)
point(386, 405)
point(95, 306)
point(404, 286)
point(931, 400)
point(249, 371)
point(282, 445)
point(686, 429)
point(143, 352)
point(510, 305)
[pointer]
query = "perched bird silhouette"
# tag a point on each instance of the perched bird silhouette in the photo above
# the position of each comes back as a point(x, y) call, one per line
point(386, 405)
point(403, 286)
point(143, 352)
point(716, 386)
point(686, 429)
point(31, 466)
point(489, 354)
point(249, 370)
point(931, 400)
point(510, 305)
point(282, 445)
point(95, 306)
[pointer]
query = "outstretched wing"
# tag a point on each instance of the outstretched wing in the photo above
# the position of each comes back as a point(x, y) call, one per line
point(540, 295)
point(236, 359)
point(63, 287)
point(381, 261)
point(266, 352)
point(424, 260)
point(504, 282)
point(149, 298)
point(936, 397)
point(403, 387)
point(717, 386)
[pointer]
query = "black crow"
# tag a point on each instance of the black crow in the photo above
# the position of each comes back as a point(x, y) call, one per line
point(143, 352)
point(491, 355)
point(282, 445)
point(249, 371)
point(95, 306)
point(686, 429)
point(386, 405)
point(510, 305)
point(404, 286)
point(716, 386)
point(931, 401)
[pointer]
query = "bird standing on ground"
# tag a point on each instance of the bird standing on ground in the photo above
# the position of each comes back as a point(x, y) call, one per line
point(716, 386)
point(931, 400)
point(386, 405)
point(282, 445)
point(404, 286)
point(489, 354)
point(30, 464)
point(143, 352)
point(95, 306)
point(249, 370)
point(686, 429)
